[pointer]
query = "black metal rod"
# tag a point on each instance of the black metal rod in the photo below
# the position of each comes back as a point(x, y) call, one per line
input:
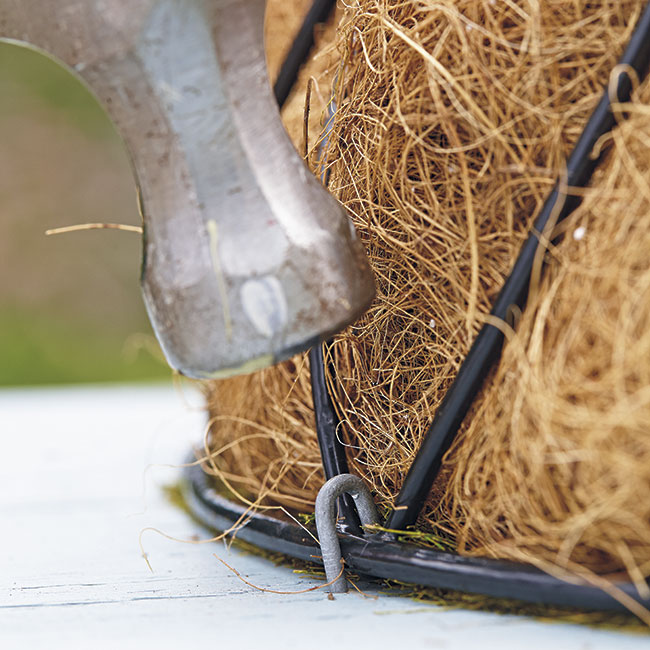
point(331, 449)
point(319, 12)
point(487, 346)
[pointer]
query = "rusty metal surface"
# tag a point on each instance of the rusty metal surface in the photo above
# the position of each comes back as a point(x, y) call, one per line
point(247, 259)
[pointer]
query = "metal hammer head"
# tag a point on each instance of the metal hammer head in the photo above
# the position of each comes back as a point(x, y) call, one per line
point(247, 259)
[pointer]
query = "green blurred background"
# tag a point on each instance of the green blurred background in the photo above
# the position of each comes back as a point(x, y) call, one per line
point(70, 305)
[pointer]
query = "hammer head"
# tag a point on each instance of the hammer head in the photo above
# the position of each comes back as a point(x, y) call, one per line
point(247, 259)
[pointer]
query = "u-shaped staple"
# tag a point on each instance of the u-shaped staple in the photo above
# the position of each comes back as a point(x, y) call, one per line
point(326, 522)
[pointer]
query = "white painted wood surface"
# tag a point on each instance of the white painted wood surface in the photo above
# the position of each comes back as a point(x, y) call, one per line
point(73, 501)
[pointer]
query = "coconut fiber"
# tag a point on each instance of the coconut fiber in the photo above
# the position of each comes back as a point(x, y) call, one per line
point(453, 120)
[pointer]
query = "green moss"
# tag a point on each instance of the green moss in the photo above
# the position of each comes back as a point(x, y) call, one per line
point(476, 602)
point(441, 541)
point(307, 519)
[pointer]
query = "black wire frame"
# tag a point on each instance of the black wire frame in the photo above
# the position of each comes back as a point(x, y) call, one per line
point(380, 555)
point(377, 556)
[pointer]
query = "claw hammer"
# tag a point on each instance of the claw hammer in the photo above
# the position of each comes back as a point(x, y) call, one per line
point(246, 257)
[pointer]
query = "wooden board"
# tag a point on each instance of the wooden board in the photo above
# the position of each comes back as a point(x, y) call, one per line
point(73, 473)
